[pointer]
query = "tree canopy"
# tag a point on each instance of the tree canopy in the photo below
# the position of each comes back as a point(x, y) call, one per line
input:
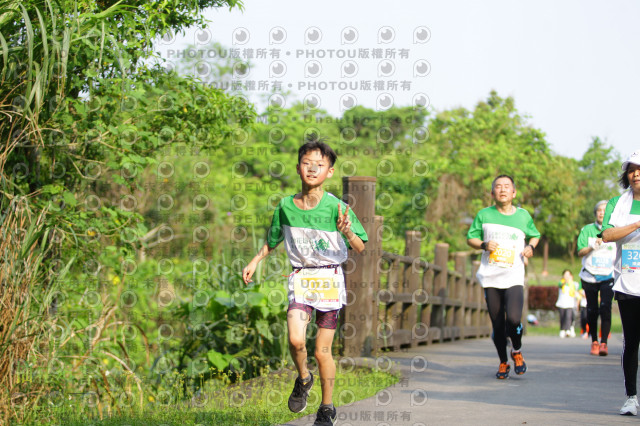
point(86, 108)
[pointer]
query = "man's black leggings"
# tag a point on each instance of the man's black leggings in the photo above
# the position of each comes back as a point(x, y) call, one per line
point(630, 316)
point(604, 309)
point(505, 311)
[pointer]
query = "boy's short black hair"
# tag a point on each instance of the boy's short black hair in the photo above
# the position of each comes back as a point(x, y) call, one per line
point(314, 143)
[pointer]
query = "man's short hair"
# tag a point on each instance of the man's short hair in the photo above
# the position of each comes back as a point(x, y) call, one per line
point(315, 144)
point(493, 184)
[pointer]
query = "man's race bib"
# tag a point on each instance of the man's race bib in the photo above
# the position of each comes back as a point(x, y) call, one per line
point(319, 288)
point(630, 260)
point(502, 257)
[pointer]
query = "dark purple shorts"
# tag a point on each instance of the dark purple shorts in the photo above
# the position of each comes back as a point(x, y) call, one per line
point(327, 319)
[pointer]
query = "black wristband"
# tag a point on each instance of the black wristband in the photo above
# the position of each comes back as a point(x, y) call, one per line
point(533, 249)
point(483, 246)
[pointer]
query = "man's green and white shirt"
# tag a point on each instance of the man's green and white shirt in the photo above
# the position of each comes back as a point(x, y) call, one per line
point(504, 267)
point(311, 237)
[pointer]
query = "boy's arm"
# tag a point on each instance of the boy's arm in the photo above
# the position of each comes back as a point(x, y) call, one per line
point(344, 225)
point(248, 271)
point(354, 241)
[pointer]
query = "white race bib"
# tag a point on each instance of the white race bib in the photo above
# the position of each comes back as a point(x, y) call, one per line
point(319, 288)
point(601, 260)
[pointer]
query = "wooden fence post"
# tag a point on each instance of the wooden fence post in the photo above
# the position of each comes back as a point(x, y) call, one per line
point(427, 309)
point(376, 245)
point(411, 282)
point(461, 295)
point(361, 312)
point(439, 290)
point(478, 299)
point(393, 316)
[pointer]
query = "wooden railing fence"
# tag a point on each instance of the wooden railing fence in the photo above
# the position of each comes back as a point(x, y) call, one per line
point(396, 301)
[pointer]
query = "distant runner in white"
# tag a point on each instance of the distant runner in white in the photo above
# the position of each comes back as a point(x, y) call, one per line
point(501, 231)
point(597, 277)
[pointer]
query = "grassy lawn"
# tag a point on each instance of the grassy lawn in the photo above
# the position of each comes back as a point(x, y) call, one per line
point(555, 266)
point(553, 328)
point(263, 402)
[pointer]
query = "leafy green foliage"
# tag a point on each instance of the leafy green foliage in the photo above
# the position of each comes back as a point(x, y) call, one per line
point(240, 331)
point(433, 181)
point(598, 169)
point(89, 113)
point(83, 113)
point(97, 133)
point(494, 139)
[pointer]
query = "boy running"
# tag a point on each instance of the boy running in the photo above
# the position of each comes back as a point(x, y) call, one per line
point(501, 231)
point(317, 229)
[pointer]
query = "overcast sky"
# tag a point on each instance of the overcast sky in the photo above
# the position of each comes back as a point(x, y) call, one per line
point(572, 66)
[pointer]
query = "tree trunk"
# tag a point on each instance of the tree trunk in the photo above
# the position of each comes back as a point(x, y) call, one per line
point(572, 251)
point(545, 256)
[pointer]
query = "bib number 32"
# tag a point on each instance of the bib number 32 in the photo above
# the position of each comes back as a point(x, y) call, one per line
point(630, 258)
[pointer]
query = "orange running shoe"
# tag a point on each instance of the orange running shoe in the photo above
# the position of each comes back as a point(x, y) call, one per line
point(518, 362)
point(604, 351)
point(503, 370)
point(595, 348)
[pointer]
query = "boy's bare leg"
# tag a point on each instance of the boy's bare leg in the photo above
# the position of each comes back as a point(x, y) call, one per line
point(326, 366)
point(297, 321)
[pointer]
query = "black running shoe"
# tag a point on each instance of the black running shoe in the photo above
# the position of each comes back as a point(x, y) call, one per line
point(327, 416)
point(298, 398)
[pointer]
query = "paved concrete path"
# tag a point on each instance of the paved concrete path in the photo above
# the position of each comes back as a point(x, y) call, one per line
point(563, 385)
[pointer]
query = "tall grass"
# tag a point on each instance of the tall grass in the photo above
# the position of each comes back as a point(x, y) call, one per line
point(24, 302)
point(34, 51)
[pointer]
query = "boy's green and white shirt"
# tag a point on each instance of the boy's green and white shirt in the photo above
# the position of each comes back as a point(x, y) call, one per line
point(504, 267)
point(311, 237)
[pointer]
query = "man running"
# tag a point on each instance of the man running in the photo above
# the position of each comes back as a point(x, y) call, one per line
point(500, 231)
